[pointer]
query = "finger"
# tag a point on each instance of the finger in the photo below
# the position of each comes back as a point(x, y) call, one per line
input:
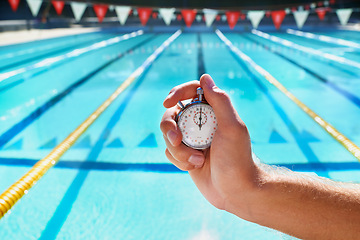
point(169, 127)
point(185, 155)
point(184, 166)
point(220, 102)
point(181, 92)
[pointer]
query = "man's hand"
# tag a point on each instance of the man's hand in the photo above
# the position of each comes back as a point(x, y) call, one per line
point(227, 166)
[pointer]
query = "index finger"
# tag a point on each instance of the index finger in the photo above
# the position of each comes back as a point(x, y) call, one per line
point(181, 92)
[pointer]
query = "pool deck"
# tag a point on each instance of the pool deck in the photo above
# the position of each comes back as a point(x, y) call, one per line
point(16, 37)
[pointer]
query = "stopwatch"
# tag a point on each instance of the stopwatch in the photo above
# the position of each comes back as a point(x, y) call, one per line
point(197, 122)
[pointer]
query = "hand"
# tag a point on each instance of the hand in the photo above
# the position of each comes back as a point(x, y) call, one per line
point(224, 170)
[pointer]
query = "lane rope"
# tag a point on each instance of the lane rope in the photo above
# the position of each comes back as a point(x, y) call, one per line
point(324, 38)
point(308, 50)
point(23, 185)
point(338, 136)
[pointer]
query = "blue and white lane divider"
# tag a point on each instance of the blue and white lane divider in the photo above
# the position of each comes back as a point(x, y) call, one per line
point(332, 131)
point(72, 54)
point(312, 51)
point(324, 38)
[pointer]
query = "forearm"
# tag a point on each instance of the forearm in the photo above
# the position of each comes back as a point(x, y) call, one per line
point(303, 206)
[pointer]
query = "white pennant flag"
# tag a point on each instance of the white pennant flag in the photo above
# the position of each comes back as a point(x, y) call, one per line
point(167, 14)
point(34, 6)
point(255, 17)
point(122, 13)
point(210, 16)
point(300, 18)
point(78, 9)
point(344, 15)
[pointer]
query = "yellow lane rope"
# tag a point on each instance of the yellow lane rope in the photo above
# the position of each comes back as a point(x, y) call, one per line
point(338, 136)
point(21, 187)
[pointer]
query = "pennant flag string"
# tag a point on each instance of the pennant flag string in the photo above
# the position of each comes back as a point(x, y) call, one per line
point(300, 13)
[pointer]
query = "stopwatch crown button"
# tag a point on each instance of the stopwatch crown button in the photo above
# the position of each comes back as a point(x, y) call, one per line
point(199, 91)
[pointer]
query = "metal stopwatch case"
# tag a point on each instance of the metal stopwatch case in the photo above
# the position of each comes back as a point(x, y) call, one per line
point(197, 122)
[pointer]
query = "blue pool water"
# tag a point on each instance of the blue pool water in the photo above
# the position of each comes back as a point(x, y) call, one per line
point(115, 182)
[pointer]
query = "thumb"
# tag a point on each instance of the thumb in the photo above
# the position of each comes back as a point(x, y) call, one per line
point(220, 102)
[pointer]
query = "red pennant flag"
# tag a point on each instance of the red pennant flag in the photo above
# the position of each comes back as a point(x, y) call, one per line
point(100, 11)
point(189, 16)
point(232, 18)
point(267, 14)
point(293, 9)
point(14, 4)
point(179, 17)
point(321, 13)
point(59, 6)
point(242, 16)
point(332, 1)
point(154, 15)
point(278, 17)
point(320, 4)
point(218, 18)
point(144, 15)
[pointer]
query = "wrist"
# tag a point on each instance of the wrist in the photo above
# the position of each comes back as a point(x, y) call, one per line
point(246, 200)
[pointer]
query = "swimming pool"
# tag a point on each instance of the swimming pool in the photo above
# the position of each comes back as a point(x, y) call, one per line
point(115, 182)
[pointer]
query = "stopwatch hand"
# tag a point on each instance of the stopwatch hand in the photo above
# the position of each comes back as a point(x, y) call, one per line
point(200, 119)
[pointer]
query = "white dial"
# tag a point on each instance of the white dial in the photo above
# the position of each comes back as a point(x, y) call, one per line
point(197, 123)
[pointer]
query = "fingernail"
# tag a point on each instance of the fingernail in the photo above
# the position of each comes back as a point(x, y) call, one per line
point(208, 81)
point(171, 135)
point(196, 160)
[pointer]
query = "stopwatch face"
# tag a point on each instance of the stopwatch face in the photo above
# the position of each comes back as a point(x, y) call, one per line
point(197, 124)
